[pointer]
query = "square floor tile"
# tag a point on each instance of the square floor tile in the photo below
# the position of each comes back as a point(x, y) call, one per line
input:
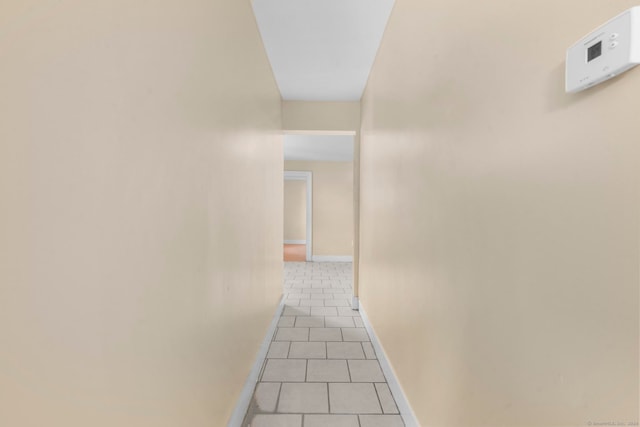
point(339, 322)
point(353, 398)
point(292, 334)
point(286, 321)
point(281, 370)
point(355, 334)
point(291, 302)
point(386, 399)
point(347, 311)
point(344, 350)
point(269, 420)
point(266, 396)
point(327, 371)
point(324, 311)
point(310, 322)
point(278, 350)
point(381, 421)
point(298, 296)
point(296, 311)
point(303, 398)
point(321, 296)
point(339, 295)
point(312, 303)
point(325, 334)
point(331, 421)
point(321, 285)
point(308, 350)
point(358, 321)
point(369, 352)
point(336, 303)
point(365, 371)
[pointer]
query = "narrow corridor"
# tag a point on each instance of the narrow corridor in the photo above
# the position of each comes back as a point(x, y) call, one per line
point(321, 369)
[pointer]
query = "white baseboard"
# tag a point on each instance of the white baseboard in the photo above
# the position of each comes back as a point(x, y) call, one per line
point(404, 407)
point(295, 242)
point(332, 258)
point(244, 401)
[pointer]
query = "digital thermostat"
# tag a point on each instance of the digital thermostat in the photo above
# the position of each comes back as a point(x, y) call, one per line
point(610, 50)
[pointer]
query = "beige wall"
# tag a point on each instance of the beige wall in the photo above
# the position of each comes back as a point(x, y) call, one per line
point(320, 116)
point(295, 210)
point(136, 278)
point(499, 216)
point(332, 205)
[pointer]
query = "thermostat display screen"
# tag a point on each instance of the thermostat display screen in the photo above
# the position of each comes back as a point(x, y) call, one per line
point(594, 51)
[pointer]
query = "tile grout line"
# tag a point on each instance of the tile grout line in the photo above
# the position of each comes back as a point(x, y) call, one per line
point(328, 400)
point(378, 396)
point(275, 410)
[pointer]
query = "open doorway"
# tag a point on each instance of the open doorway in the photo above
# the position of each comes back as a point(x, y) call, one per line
point(318, 172)
point(298, 216)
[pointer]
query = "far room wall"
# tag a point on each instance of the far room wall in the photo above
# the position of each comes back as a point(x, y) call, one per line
point(332, 205)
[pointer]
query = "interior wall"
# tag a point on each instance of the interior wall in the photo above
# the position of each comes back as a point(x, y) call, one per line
point(499, 216)
point(332, 205)
point(295, 210)
point(141, 193)
point(320, 116)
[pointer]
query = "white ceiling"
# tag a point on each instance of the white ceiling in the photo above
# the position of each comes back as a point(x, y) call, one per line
point(322, 50)
point(334, 148)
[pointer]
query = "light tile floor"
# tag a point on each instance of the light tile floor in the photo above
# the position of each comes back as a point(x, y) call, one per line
point(321, 369)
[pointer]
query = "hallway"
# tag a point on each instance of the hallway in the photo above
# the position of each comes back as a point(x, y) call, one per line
point(321, 369)
point(492, 217)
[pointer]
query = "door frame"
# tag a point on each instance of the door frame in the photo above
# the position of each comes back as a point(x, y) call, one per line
point(308, 178)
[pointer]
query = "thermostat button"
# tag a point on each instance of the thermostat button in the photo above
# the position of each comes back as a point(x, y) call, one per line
point(613, 45)
point(614, 36)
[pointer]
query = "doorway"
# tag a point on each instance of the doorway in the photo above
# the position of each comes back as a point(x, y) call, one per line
point(330, 208)
point(298, 216)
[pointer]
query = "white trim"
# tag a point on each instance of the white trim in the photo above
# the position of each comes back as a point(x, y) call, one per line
point(321, 132)
point(404, 407)
point(308, 177)
point(240, 411)
point(332, 258)
point(295, 242)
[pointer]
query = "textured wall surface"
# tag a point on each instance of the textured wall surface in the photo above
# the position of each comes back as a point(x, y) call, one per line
point(141, 210)
point(500, 216)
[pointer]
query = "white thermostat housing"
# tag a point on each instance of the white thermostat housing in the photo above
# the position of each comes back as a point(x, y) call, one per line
point(611, 49)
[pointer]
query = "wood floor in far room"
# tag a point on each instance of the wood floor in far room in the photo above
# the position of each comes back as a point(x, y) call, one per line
point(295, 253)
